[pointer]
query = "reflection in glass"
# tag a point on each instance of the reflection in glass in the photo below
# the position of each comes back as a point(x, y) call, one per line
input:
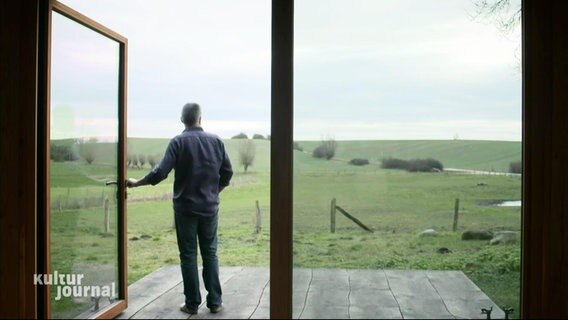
point(407, 123)
point(83, 148)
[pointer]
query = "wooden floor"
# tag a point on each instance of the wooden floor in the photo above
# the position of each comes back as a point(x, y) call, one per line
point(320, 293)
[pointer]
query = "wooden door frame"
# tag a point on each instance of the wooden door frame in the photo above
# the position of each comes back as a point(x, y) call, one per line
point(44, 110)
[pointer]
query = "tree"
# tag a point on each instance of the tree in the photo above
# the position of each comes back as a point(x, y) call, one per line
point(142, 160)
point(506, 15)
point(326, 150)
point(87, 149)
point(89, 155)
point(151, 160)
point(258, 136)
point(247, 152)
point(241, 135)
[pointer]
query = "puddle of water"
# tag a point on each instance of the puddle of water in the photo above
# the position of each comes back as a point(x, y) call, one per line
point(514, 203)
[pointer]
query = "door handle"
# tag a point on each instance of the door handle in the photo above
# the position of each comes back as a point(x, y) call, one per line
point(108, 183)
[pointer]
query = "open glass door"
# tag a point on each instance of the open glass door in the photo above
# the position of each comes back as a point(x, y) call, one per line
point(86, 137)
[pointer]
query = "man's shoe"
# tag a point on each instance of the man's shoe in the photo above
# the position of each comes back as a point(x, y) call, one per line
point(216, 309)
point(185, 309)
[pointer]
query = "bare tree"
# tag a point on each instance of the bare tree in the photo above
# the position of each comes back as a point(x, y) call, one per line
point(247, 152)
point(142, 160)
point(87, 149)
point(151, 160)
point(505, 13)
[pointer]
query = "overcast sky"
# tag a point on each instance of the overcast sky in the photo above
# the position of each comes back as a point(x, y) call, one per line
point(374, 69)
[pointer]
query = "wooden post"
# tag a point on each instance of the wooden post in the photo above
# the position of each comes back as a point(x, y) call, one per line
point(107, 215)
point(352, 218)
point(332, 215)
point(456, 214)
point(258, 219)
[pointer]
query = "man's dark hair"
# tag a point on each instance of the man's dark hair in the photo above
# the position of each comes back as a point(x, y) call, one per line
point(190, 114)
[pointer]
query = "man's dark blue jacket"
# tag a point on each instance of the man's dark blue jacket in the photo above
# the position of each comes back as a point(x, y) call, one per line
point(201, 166)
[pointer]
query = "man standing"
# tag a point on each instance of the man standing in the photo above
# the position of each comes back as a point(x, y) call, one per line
point(202, 171)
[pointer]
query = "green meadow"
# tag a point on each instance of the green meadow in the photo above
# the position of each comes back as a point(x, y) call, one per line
point(396, 204)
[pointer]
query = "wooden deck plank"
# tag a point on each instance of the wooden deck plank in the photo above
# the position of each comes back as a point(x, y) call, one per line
point(241, 295)
point(167, 305)
point(302, 278)
point(369, 279)
point(328, 295)
point(149, 288)
point(461, 296)
point(320, 293)
point(415, 295)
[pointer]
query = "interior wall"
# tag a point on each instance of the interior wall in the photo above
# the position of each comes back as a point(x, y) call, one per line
point(18, 76)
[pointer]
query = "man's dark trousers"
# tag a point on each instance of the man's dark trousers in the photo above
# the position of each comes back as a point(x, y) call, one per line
point(189, 229)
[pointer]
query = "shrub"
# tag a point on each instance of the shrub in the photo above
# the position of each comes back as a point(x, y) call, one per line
point(394, 163)
point(424, 165)
point(247, 152)
point(258, 136)
point(326, 150)
point(414, 165)
point(359, 162)
point(297, 146)
point(241, 135)
point(60, 153)
point(516, 167)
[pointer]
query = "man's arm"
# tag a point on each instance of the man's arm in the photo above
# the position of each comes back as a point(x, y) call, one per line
point(133, 183)
point(160, 171)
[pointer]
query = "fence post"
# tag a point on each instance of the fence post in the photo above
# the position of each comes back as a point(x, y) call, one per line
point(332, 215)
point(107, 214)
point(456, 214)
point(258, 219)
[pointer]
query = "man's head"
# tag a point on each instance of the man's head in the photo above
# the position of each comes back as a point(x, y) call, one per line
point(191, 114)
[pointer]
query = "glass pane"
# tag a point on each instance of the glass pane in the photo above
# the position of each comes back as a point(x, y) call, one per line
point(217, 54)
point(83, 146)
point(407, 182)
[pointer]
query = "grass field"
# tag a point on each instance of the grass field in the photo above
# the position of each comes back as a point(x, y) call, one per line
point(396, 204)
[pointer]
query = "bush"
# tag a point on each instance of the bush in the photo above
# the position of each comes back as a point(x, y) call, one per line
point(241, 135)
point(326, 150)
point(414, 165)
point(516, 167)
point(424, 165)
point(394, 163)
point(258, 136)
point(359, 162)
point(297, 146)
point(59, 153)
